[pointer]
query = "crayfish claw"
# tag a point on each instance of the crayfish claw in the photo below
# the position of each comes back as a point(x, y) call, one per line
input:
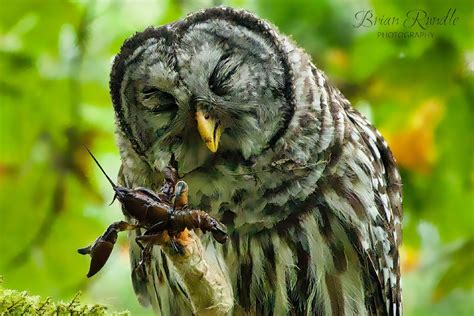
point(85, 250)
point(101, 249)
point(100, 253)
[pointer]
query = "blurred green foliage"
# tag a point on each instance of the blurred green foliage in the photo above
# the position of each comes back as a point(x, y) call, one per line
point(55, 59)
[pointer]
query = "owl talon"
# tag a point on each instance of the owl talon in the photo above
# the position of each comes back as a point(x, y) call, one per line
point(183, 238)
point(179, 249)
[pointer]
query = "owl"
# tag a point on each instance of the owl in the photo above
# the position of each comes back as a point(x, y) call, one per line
point(307, 187)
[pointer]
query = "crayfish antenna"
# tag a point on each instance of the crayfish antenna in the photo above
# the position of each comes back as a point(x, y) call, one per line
point(113, 200)
point(103, 171)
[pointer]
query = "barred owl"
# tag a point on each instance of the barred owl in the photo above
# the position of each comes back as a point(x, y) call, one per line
point(307, 187)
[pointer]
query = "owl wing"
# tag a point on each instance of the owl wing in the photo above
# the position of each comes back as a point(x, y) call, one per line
point(381, 258)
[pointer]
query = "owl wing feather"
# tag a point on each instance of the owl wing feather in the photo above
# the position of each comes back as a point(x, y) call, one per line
point(361, 193)
point(381, 259)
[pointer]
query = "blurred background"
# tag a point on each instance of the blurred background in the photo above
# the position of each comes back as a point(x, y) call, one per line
point(55, 58)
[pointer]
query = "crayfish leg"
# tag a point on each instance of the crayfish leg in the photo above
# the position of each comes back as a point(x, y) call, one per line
point(156, 228)
point(145, 258)
point(152, 239)
point(121, 226)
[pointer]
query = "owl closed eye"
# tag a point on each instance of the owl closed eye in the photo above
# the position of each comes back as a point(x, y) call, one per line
point(158, 101)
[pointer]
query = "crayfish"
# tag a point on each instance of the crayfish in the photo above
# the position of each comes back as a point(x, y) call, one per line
point(165, 212)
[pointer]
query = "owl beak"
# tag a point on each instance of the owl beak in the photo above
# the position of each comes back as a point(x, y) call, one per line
point(209, 129)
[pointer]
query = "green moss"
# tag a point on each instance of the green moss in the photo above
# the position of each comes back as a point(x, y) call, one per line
point(14, 302)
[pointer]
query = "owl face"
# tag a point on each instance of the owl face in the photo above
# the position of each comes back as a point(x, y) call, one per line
point(196, 90)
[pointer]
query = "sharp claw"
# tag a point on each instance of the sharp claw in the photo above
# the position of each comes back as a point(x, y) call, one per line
point(140, 271)
point(219, 232)
point(176, 247)
point(173, 245)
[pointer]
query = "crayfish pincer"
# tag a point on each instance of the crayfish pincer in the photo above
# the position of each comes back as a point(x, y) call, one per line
point(163, 216)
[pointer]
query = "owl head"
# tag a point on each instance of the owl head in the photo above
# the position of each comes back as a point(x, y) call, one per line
point(216, 84)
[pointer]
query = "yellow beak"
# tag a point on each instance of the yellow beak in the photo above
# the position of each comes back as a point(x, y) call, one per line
point(209, 130)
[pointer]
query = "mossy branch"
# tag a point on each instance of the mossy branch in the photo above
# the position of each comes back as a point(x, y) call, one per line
point(13, 302)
